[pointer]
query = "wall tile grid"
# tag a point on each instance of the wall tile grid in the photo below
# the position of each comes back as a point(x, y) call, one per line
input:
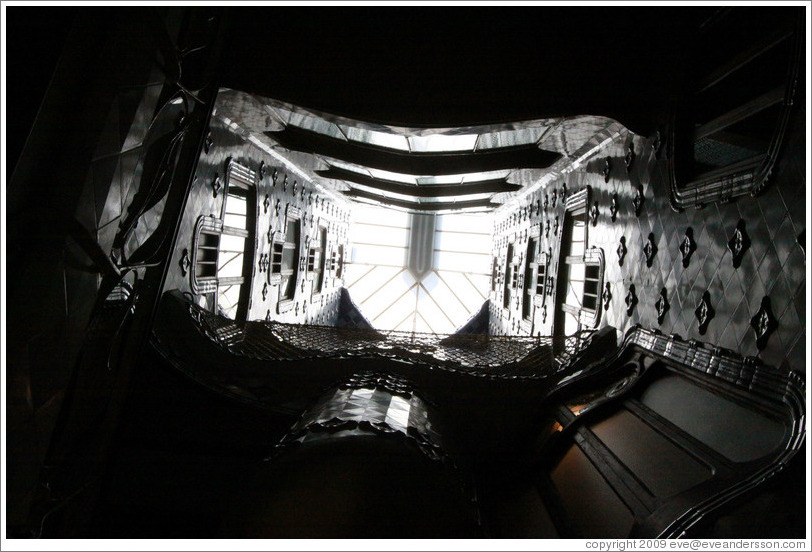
point(317, 210)
point(773, 265)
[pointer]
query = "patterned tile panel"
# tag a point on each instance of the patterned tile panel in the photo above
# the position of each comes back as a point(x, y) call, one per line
point(774, 265)
point(316, 210)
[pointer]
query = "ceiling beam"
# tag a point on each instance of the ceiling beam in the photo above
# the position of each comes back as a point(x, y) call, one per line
point(417, 206)
point(421, 190)
point(422, 164)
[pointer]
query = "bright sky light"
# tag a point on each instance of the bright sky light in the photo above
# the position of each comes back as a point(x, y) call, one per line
point(386, 292)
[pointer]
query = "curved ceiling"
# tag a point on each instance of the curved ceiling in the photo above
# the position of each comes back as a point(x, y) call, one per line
point(432, 170)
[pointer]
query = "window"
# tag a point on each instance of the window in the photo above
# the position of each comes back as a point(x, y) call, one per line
point(339, 270)
point(289, 261)
point(208, 243)
point(510, 275)
point(276, 257)
point(316, 259)
point(542, 274)
point(231, 252)
point(393, 294)
point(224, 247)
point(530, 273)
point(731, 126)
point(580, 272)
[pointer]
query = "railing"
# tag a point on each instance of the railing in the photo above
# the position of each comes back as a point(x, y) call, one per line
point(513, 357)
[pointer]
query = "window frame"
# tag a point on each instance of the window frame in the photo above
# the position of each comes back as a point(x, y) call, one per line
point(508, 285)
point(586, 317)
point(530, 277)
point(279, 275)
point(237, 177)
point(317, 261)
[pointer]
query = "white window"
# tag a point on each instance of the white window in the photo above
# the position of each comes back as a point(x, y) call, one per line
point(580, 271)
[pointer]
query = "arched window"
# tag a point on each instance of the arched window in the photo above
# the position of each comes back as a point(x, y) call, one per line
point(531, 269)
point(510, 277)
point(285, 259)
point(224, 247)
point(316, 260)
point(580, 271)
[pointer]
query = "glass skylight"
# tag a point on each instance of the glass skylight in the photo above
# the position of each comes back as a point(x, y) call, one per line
point(393, 176)
point(376, 138)
point(386, 292)
point(443, 142)
point(412, 140)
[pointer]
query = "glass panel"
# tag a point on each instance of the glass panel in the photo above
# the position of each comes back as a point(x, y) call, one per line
point(376, 138)
point(400, 309)
point(228, 299)
point(532, 246)
point(288, 287)
point(384, 294)
point(575, 290)
point(236, 221)
point(362, 281)
point(508, 277)
point(576, 272)
point(230, 256)
point(469, 291)
point(576, 249)
point(288, 258)
point(383, 193)
point(461, 262)
point(442, 179)
point(378, 215)
point(578, 231)
point(445, 299)
point(418, 324)
point(380, 235)
point(570, 324)
point(320, 258)
point(443, 142)
point(395, 177)
point(457, 198)
point(398, 413)
point(378, 255)
point(468, 243)
point(229, 242)
point(472, 224)
point(229, 265)
point(430, 310)
point(236, 204)
point(292, 233)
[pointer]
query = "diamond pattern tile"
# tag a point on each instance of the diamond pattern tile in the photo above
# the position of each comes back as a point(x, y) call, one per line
point(774, 264)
